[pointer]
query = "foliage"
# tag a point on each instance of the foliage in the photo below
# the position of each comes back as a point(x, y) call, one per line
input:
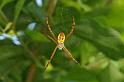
point(97, 42)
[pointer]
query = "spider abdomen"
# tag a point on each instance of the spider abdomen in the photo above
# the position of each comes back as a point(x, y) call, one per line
point(61, 37)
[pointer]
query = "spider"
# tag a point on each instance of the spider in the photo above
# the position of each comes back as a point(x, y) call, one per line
point(60, 41)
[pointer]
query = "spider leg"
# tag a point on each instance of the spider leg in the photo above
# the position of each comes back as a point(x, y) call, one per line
point(72, 30)
point(51, 57)
point(49, 28)
point(52, 39)
point(69, 54)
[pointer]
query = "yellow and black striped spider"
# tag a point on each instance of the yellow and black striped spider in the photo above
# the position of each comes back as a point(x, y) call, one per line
point(60, 41)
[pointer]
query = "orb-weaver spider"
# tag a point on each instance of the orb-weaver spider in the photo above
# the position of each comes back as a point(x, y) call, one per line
point(60, 41)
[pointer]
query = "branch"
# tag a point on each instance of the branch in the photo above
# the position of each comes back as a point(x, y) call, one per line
point(31, 73)
point(51, 7)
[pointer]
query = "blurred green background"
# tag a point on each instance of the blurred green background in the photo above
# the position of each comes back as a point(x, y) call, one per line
point(97, 42)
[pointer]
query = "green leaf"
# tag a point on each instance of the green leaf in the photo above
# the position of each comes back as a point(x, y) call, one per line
point(111, 73)
point(80, 75)
point(8, 26)
point(36, 36)
point(10, 51)
point(18, 9)
point(116, 15)
point(10, 56)
point(107, 40)
point(3, 18)
point(79, 5)
point(4, 2)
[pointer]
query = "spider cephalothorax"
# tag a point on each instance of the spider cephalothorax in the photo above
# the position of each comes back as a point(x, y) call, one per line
point(60, 41)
